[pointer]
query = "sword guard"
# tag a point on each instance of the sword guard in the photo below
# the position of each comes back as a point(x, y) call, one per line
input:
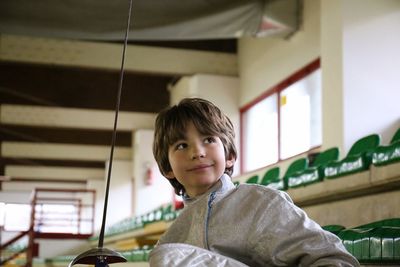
point(99, 257)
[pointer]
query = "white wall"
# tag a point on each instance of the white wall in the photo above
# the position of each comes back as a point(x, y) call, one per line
point(49, 248)
point(147, 197)
point(221, 90)
point(99, 186)
point(360, 70)
point(20, 197)
point(371, 65)
point(121, 192)
point(332, 74)
point(264, 62)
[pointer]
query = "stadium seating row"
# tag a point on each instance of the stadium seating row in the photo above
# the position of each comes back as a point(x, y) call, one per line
point(326, 165)
point(164, 213)
point(373, 243)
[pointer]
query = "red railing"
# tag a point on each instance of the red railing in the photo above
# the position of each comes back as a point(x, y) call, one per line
point(14, 254)
point(56, 214)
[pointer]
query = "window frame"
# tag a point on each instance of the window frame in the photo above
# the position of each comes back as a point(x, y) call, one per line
point(278, 88)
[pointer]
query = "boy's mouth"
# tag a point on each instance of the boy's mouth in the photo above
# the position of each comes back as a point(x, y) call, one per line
point(200, 167)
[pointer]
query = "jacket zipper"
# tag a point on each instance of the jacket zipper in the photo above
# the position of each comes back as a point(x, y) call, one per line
point(209, 206)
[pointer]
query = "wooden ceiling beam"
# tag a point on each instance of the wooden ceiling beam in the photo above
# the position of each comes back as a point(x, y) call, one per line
point(62, 151)
point(25, 115)
point(4, 161)
point(54, 173)
point(145, 59)
point(16, 133)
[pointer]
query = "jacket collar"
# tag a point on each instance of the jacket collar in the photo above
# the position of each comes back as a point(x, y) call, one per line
point(223, 185)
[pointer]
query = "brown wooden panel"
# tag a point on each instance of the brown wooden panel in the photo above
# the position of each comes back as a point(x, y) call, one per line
point(217, 45)
point(51, 163)
point(63, 136)
point(42, 182)
point(90, 88)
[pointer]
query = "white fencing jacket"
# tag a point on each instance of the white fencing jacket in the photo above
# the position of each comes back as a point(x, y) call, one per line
point(252, 224)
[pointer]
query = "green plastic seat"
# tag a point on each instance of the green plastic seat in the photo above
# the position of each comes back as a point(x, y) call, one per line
point(388, 154)
point(385, 245)
point(356, 242)
point(252, 180)
point(357, 159)
point(362, 245)
point(168, 213)
point(334, 228)
point(147, 250)
point(270, 176)
point(271, 179)
point(138, 255)
point(295, 168)
point(391, 222)
point(347, 238)
point(374, 243)
point(315, 172)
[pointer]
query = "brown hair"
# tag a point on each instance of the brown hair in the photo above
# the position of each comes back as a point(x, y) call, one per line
point(171, 123)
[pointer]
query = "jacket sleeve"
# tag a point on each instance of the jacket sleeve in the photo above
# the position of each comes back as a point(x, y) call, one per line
point(183, 255)
point(285, 236)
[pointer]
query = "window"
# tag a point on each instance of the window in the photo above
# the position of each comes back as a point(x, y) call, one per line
point(284, 122)
point(49, 218)
point(261, 134)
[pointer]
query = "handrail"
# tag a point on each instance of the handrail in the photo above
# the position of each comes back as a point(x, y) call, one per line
point(14, 239)
point(9, 242)
point(83, 225)
point(37, 199)
point(2, 262)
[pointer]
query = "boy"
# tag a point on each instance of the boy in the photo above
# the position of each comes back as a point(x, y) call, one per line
point(246, 225)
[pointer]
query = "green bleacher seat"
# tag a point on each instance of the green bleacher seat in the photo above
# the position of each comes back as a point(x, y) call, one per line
point(137, 255)
point(386, 243)
point(391, 222)
point(155, 215)
point(169, 213)
point(333, 228)
point(165, 213)
point(315, 172)
point(388, 154)
point(295, 168)
point(252, 180)
point(347, 238)
point(271, 179)
point(271, 176)
point(374, 243)
point(357, 159)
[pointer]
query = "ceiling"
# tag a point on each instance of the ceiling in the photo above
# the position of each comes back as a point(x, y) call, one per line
point(203, 25)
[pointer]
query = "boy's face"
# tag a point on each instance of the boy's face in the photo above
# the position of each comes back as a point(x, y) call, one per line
point(197, 161)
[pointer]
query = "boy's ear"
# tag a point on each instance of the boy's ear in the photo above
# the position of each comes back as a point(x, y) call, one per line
point(170, 175)
point(230, 162)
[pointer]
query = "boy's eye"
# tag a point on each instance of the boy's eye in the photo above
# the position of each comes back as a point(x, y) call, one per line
point(209, 140)
point(180, 146)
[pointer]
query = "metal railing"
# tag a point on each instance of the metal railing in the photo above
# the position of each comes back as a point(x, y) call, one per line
point(55, 214)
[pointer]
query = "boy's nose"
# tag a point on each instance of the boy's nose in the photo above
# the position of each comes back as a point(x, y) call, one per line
point(198, 152)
